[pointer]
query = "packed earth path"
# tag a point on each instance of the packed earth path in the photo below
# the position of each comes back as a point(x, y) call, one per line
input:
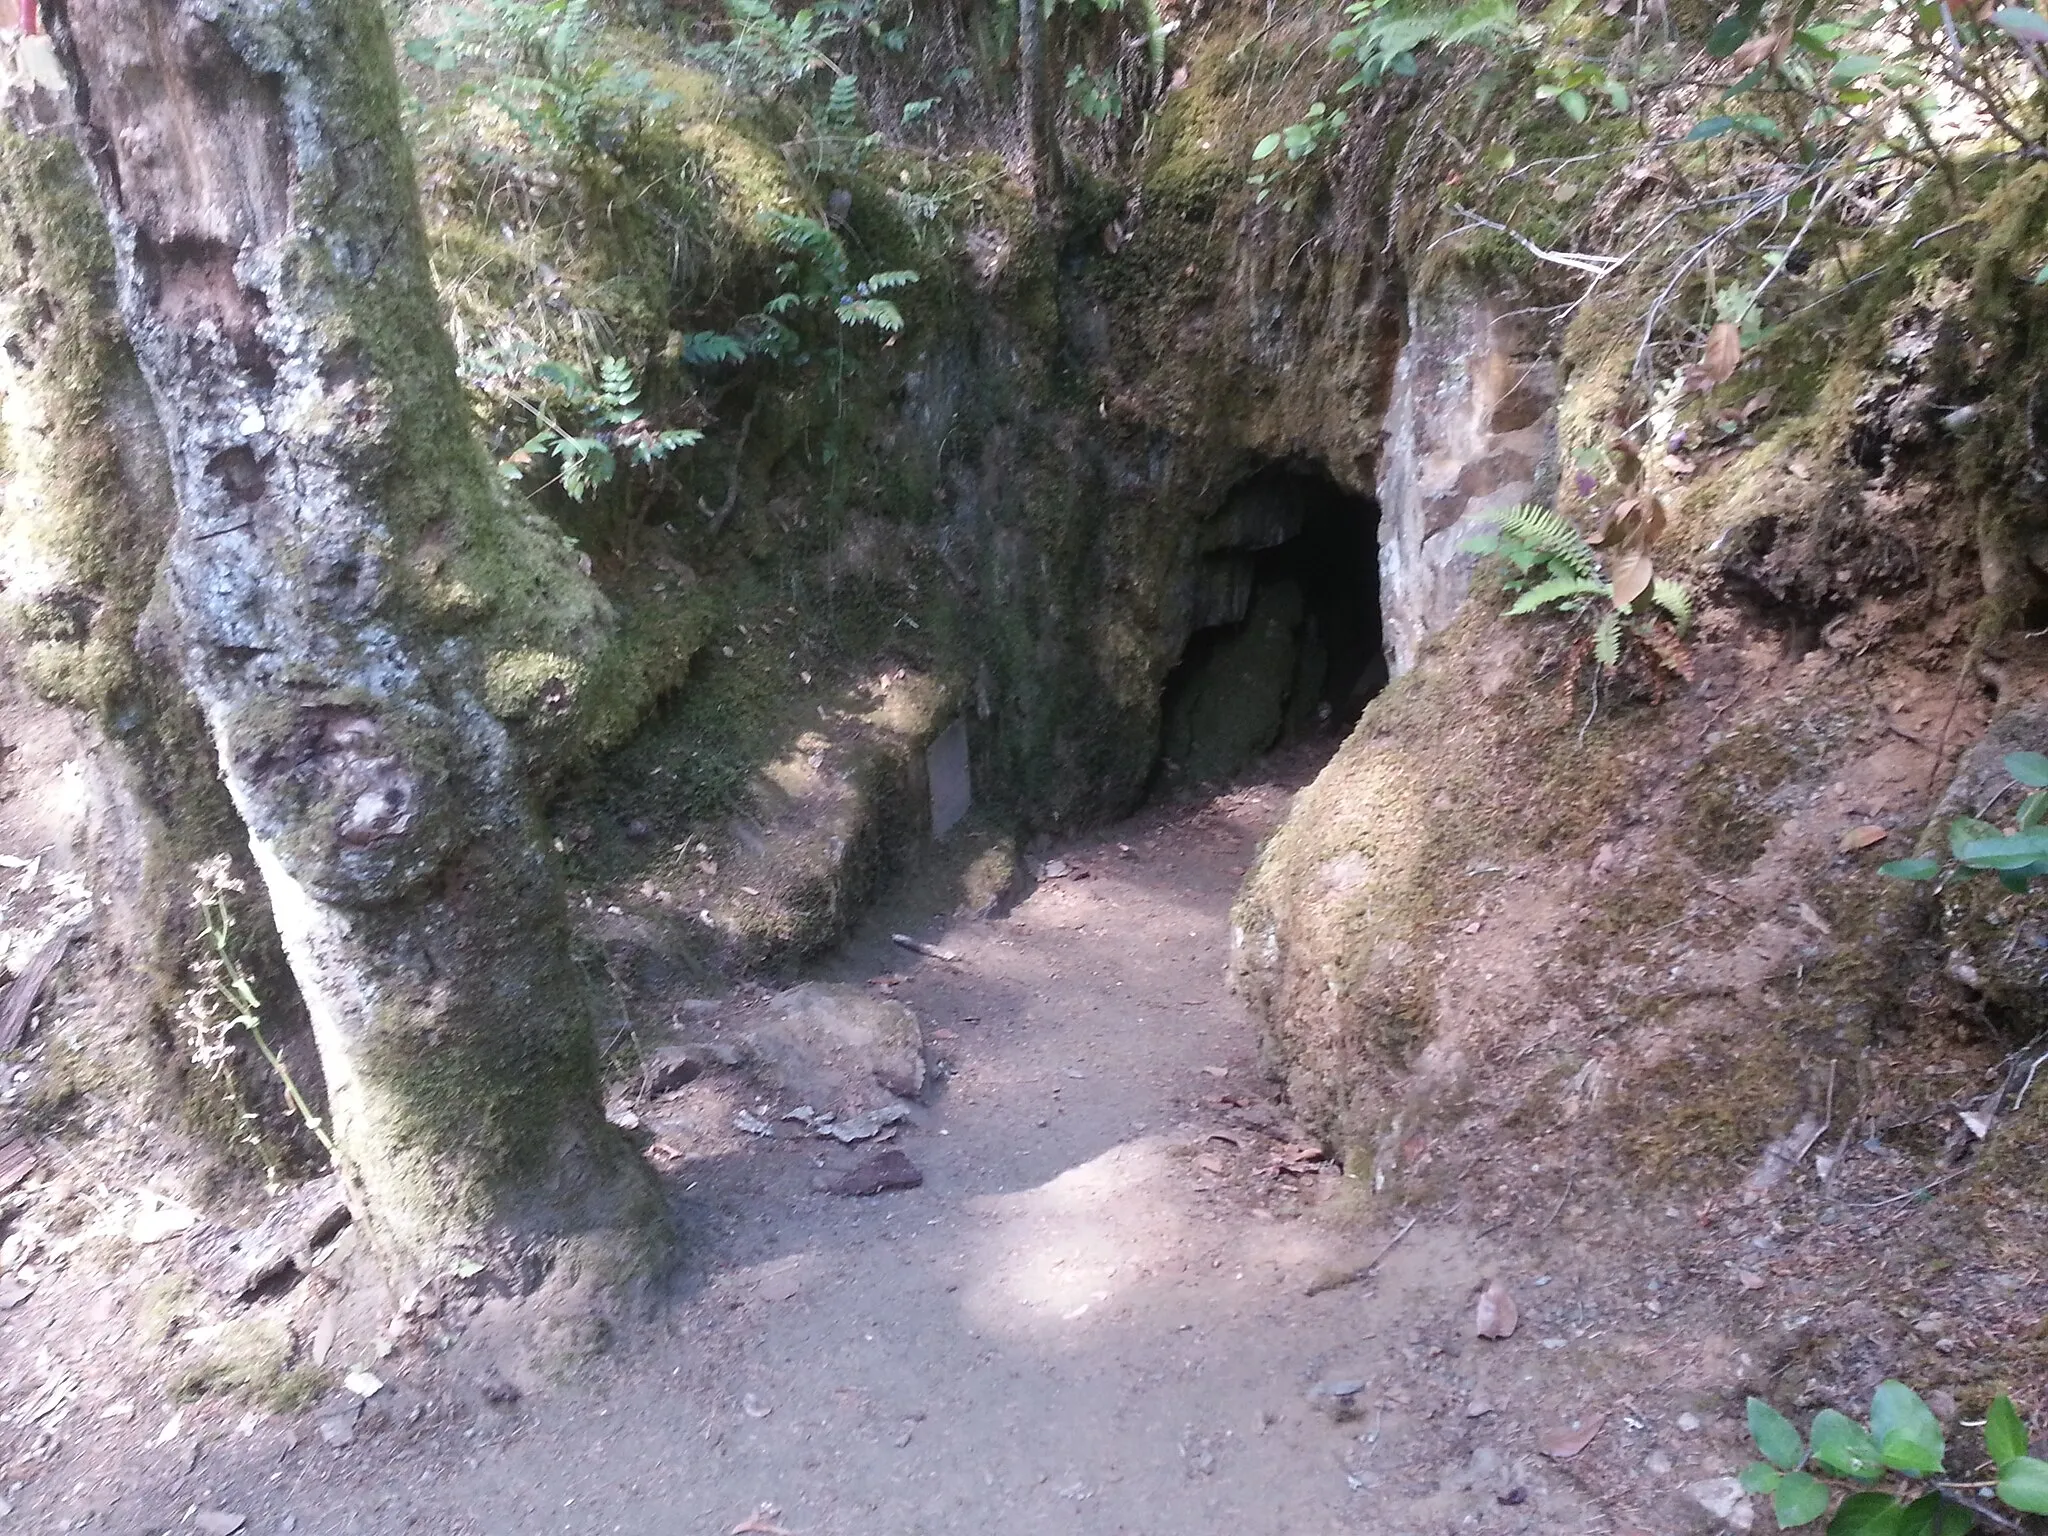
point(1108, 1308)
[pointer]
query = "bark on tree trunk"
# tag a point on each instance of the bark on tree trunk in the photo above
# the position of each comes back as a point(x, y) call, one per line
point(343, 574)
point(1035, 107)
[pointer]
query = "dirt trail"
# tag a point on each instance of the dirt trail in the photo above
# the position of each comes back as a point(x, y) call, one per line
point(1090, 1318)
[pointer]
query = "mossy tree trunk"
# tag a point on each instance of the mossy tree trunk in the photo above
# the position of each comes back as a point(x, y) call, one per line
point(342, 574)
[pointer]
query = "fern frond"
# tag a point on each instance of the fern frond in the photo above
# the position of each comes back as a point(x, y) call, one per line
point(842, 106)
point(1550, 534)
point(1675, 598)
point(1607, 641)
point(882, 282)
point(1665, 645)
point(617, 387)
point(1557, 590)
point(879, 313)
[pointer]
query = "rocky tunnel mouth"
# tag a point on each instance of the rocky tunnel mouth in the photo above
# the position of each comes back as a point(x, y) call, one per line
point(1286, 636)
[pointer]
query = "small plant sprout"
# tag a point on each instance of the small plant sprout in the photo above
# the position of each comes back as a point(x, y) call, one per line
point(1891, 1470)
point(2017, 856)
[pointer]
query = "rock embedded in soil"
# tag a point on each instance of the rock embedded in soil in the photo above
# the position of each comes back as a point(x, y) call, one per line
point(875, 1175)
point(834, 1046)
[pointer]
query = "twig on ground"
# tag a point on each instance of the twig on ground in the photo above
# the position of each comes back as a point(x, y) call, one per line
point(918, 946)
point(1333, 1280)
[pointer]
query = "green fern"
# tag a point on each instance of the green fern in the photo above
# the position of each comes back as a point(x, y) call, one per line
point(1549, 535)
point(1675, 598)
point(1557, 590)
point(1607, 640)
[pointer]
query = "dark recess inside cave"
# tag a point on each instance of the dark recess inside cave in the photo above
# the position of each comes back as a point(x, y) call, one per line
point(1287, 638)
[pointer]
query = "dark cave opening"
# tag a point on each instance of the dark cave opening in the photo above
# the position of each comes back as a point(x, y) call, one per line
point(1287, 641)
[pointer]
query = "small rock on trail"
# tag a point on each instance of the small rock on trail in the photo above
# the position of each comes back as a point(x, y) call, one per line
point(875, 1175)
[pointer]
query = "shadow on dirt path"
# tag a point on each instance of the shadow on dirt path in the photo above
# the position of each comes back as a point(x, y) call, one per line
point(1091, 1318)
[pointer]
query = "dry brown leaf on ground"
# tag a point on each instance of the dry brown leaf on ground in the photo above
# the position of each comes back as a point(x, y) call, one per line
point(1633, 574)
point(1724, 353)
point(1863, 837)
point(1564, 1444)
point(760, 1523)
point(1497, 1317)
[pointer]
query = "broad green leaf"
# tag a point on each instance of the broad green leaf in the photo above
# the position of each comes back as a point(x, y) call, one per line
point(1867, 1514)
point(1774, 1436)
point(1729, 34)
point(1852, 67)
point(2005, 1437)
point(1907, 1433)
point(1905, 1451)
point(2027, 26)
point(1799, 1499)
point(2030, 768)
point(1933, 1515)
point(1714, 127)
point(2033, 810)
point(2023, 1484)
point(1574, 104)
point(1265, 147)
point(1760, 1477)
point(2002, 850)
point(1911, 869)
point(1966, 828)
point(2013, 881)
point(1844, 1447)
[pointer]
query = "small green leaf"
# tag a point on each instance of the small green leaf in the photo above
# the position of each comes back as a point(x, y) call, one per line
point(1911, 869)
point(1714, 127)
point(1800, 1498)
point(1760, 1477)
point(1264, 148)
point(2030, 768)
point(2023, 1484)
point(1906, 1431)
point(1844, 1447)
point(1867, 1514)
point(2005, 1437)
point(1574, 104)
point(1852, 67)
point(2033, 810)
point(1774, 1435)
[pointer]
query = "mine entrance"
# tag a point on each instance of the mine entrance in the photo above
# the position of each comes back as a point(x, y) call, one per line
point(1287, 640)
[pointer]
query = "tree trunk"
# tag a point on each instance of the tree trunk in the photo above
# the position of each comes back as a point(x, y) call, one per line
point(347, 581)
point(1035, 108)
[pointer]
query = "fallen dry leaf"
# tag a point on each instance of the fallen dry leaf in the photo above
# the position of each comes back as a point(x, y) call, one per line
point(1724, 353)
point(1564, 1444)
point(1633, 574)
point(1862, 837)
point(1749, 1279)
point(758, 1525)
point(1497, 1317)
